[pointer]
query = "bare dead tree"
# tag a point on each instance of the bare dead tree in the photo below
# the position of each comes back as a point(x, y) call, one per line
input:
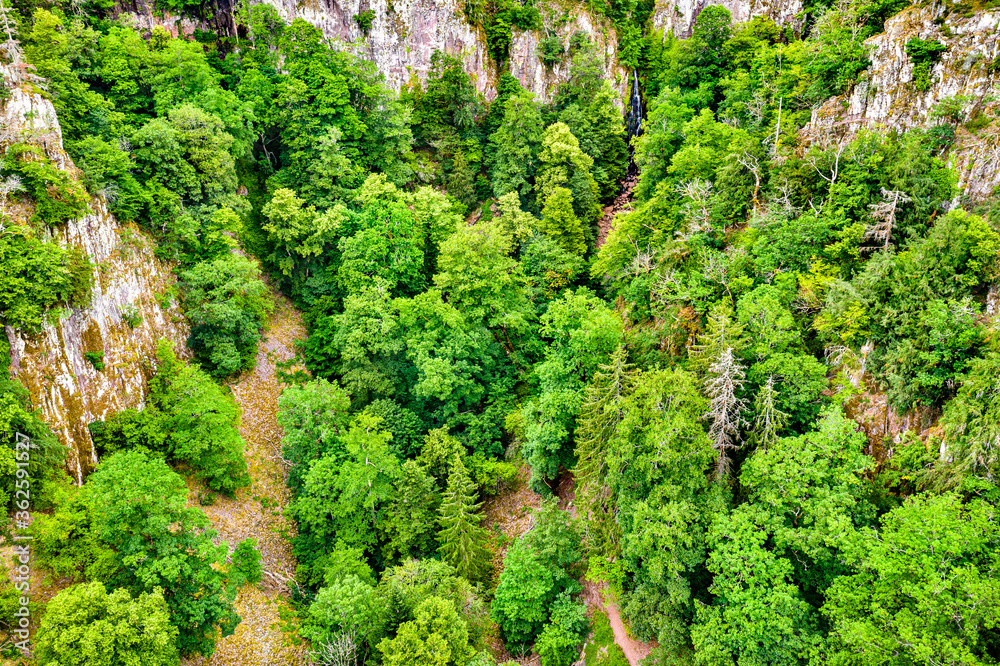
point(834, 168)
point(724, 380)
point(697, 210)
point(884, 214)
point(341, 650)
point(752, 164)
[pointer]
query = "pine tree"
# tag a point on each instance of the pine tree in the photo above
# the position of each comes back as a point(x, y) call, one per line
point(460, 184)
point(769, 420)
point(462, 539)
point(724, 380)
point(722, 332)
point(561, 224)
point(599, 416)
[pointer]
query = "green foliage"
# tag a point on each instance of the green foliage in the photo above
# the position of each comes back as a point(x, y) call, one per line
point(84, 624)
point(346, 494)
point(923, 53)
point(96, 359)
point(437, 636)
point(364, 20)
point(56, 196)
point(462, 539)
point(227, 304)
point(551, 50)
point(922, 589)
point(246, 563)
point(36, 275)
point(584, 332)
point(140, 511)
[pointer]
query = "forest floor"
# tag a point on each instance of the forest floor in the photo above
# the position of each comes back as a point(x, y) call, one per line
point(265, 636)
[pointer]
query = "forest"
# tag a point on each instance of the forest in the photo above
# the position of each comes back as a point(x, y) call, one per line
point(675, 337)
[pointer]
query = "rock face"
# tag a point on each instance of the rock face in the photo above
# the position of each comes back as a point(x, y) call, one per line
point(888, 97)
point(405, 33)
point(678, 16)
point(535, 76)
point(129, 283)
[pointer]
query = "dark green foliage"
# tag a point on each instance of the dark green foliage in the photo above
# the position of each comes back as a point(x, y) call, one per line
point(551, 50)
point(364, 20)
point(96, 359)
point(923, 53)
point(227, 304)
point(139, 511)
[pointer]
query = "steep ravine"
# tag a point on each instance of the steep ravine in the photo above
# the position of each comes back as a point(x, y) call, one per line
point(257, 511)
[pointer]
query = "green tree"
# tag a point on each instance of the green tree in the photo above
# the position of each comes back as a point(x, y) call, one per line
point(563, 164)
point(201, 422)
point(313, 417)
point(514, 148)
point(527, 588)
point(140, 509)
point(84, 624)
point(560, 223)
point(461, 537)
point(227, 305)
point(925, 588)
point(460, 183)
point(346, 494)
point(437, 636)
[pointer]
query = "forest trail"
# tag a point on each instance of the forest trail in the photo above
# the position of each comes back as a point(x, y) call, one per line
point(264, 636)
point(621, 204)
point(596, 594)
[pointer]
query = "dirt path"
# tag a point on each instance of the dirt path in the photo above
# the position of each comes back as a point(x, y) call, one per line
point(596, 594)
point(263, 637)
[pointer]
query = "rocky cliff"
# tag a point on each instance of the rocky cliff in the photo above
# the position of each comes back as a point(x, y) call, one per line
point(678, 16)
point(966, 76)
point(130, 310)
point(405, 33)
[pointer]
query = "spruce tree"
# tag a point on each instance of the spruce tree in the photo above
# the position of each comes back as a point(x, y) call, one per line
point(462, 539)
point(599, 416)
point(460, 184)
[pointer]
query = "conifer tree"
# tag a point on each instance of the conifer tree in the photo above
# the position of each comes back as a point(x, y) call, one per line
point(462, 539)
point(561, 224)
point(460, 184)
point(599, 416)
point(722, 331)
point(769, 420)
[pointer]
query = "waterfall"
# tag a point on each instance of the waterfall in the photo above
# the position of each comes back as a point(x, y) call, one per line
point(633, 121)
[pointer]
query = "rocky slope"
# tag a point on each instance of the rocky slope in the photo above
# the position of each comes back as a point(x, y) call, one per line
point(52, 364)
point(967, 72)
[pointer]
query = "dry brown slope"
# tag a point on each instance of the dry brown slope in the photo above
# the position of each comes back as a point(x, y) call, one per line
point(261, 639)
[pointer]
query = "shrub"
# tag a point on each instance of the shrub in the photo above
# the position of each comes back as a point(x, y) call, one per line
point(550, 50)
point(246, 567)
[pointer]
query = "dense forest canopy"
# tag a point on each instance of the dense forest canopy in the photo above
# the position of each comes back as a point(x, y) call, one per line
point(698, 366)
